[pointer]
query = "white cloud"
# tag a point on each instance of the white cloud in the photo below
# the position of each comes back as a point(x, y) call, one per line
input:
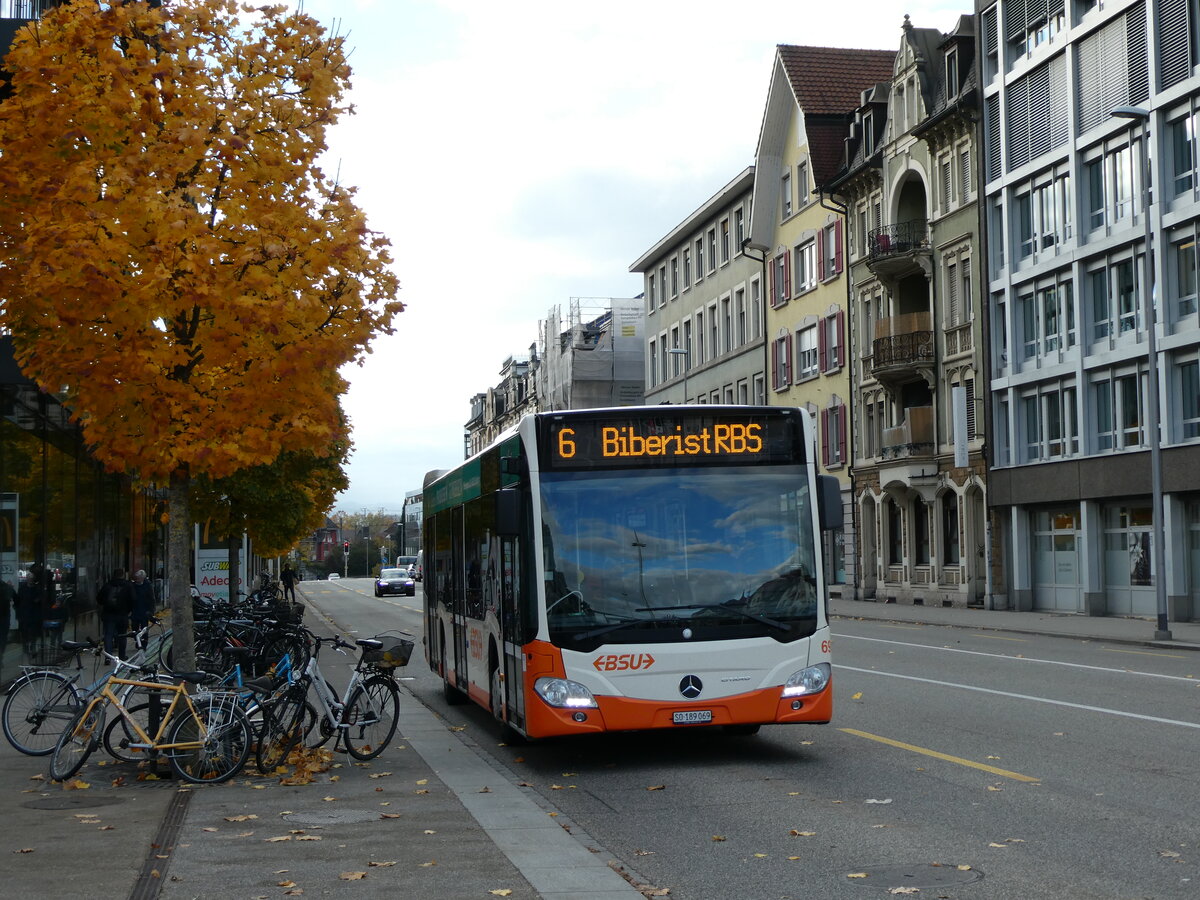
point(518, 154)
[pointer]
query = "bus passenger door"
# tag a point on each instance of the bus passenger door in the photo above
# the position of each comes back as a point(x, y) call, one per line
point(512, 630)
point(458, 636)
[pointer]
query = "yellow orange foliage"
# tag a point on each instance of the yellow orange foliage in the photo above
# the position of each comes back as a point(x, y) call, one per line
point(172, 256)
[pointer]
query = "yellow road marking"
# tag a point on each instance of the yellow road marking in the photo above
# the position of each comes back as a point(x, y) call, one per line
point(942, 756)
point(1147, 653)
point(996, 637)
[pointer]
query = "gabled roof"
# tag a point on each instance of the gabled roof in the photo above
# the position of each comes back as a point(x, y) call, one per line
point(829, 80)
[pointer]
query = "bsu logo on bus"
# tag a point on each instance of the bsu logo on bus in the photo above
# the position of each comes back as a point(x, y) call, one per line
point(623, 662)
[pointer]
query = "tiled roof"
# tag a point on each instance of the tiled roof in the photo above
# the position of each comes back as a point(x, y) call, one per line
point(829, 80)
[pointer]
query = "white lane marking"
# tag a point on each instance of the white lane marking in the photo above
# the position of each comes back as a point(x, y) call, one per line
point(1013, 696)
point(1048, 662)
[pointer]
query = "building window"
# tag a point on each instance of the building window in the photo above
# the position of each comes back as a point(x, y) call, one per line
point(756, 324)
point(760, 390)
point(781, 353)
point(1051, 424)
point(832, 353)
point(950, 539)
point(952, 71)
point(699, 317)
point(895, 526)
point(830, 250)
point(674, 277)
point(687, 268)
point(712, 250)
point(1181, 136)
point(1118, 407)
point(781, 288)
point(724, 241)
point(652, 363)
point(740, 311)
point(1189, 399)
point(743, 390)
point(651, 294)
point(714, 345)
point(739, 228)
point(833, 435)
point(806, 353)
point(802, 183)
point(662, 285)
point(964, 169)
point(920, 533)
point(1183, 255)
point(947, 184)
point(1114, 296)
point(806, 266)
point(785, 195)
point(699, 259)
point(727, 323)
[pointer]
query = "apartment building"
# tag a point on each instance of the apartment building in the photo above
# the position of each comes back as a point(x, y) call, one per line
point(704, 306)
point(1090, 114)
point(915, 344)
point(800, 233)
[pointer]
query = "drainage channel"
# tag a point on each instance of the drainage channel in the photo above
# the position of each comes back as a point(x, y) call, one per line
point(150, 880)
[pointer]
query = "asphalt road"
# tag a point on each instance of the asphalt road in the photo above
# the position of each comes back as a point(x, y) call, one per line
point(959, 763)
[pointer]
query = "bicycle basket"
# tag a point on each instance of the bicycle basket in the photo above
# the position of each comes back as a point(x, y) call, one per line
point(394, 653)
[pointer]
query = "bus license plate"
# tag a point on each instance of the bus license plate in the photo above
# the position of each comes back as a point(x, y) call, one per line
point(692, 717)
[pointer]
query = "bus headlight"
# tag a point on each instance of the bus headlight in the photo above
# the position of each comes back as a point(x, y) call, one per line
point(812, 680)
point(563, 693)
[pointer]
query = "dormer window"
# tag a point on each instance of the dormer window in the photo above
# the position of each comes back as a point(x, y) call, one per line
point(868, 132)
point(952, 72)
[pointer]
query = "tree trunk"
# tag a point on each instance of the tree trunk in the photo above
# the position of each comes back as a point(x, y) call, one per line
point(179, 571)
point(234, 546)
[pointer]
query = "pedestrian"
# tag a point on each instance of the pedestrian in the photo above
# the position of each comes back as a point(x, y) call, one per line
point(143, 601)
point(115, 602)
point(29, 610)
point(288, 577)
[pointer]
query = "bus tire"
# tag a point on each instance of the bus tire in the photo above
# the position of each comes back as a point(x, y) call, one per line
point(452, 695)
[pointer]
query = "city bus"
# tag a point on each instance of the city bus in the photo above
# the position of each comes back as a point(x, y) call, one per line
point(633, 569)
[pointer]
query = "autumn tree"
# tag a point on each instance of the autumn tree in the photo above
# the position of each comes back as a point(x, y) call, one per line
point(172, 256)
point(275, 503)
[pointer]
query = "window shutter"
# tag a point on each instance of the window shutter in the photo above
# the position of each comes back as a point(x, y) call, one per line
point(787, 276)
point(822, 345)
point(837, 247)
point(787, 361)
point(1174, 52)
point(1137, 59)
point(969, 385)
point(947, 185)
point(991, 147)
point(825, 438)
point(774, 299)
point(964, 164)
point(821, 274)
point(1018, 123)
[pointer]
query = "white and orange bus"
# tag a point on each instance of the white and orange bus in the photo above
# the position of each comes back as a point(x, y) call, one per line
point(634, 568)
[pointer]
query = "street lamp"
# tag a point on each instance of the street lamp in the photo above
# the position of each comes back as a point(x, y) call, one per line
point(687, 364)
point(1162, 632)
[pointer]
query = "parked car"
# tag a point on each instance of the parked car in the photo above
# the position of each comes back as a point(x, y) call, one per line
point(394, 581)
point(334, 576)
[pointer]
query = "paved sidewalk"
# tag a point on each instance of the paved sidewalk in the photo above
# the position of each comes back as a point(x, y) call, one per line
point(430, 817)
point(1120, 629)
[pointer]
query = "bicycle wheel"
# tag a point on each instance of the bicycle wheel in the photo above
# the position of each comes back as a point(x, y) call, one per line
point(282, 729)
point(372, 715)
point(37, 708)
point(78, 739)
point(211, 746)
point(120, 734)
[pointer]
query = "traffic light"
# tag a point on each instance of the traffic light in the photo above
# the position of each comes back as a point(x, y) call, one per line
point(346, 546)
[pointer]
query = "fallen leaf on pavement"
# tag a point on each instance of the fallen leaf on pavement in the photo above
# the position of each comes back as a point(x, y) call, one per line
point(501, 892)
point(857, 696)
point(76, 784)
point(381, 865)
point(285, 884)
point(389, 815)
point(657, 787)
point(432, 862)
point(904, 890)
point(795, 833)
point(276, 840)
point(353, 876)
point(857, 875)
point(245, 818)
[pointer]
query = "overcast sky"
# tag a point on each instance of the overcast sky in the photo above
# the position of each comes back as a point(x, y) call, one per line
point(521, 153)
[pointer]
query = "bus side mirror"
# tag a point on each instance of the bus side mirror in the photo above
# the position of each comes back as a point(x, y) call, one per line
point(830, 510)
point(508, 512)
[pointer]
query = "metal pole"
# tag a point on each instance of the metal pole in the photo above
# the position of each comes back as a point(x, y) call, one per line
point(1159, 548)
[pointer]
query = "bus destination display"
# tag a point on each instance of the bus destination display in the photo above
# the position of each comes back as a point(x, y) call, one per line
point(615, 440)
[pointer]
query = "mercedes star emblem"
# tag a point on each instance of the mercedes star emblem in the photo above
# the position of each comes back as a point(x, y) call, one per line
point(691, 686)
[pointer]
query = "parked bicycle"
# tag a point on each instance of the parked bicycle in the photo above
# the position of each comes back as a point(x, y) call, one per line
point(205, 738)
point(43, 700)
point(363, 719)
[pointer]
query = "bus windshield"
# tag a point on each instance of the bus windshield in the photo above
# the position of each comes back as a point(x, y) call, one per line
point(675, 555)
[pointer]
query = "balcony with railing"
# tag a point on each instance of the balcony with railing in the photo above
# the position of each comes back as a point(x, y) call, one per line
point(911, 438)
point(903, 346)
point(899, 249)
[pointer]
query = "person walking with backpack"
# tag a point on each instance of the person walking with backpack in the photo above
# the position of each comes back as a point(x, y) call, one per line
point(115, 602)
point(288, 578)
point(143, 601)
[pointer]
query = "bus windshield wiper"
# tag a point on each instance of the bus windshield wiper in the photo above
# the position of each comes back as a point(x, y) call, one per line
point(727, 607)
point(616, 626)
